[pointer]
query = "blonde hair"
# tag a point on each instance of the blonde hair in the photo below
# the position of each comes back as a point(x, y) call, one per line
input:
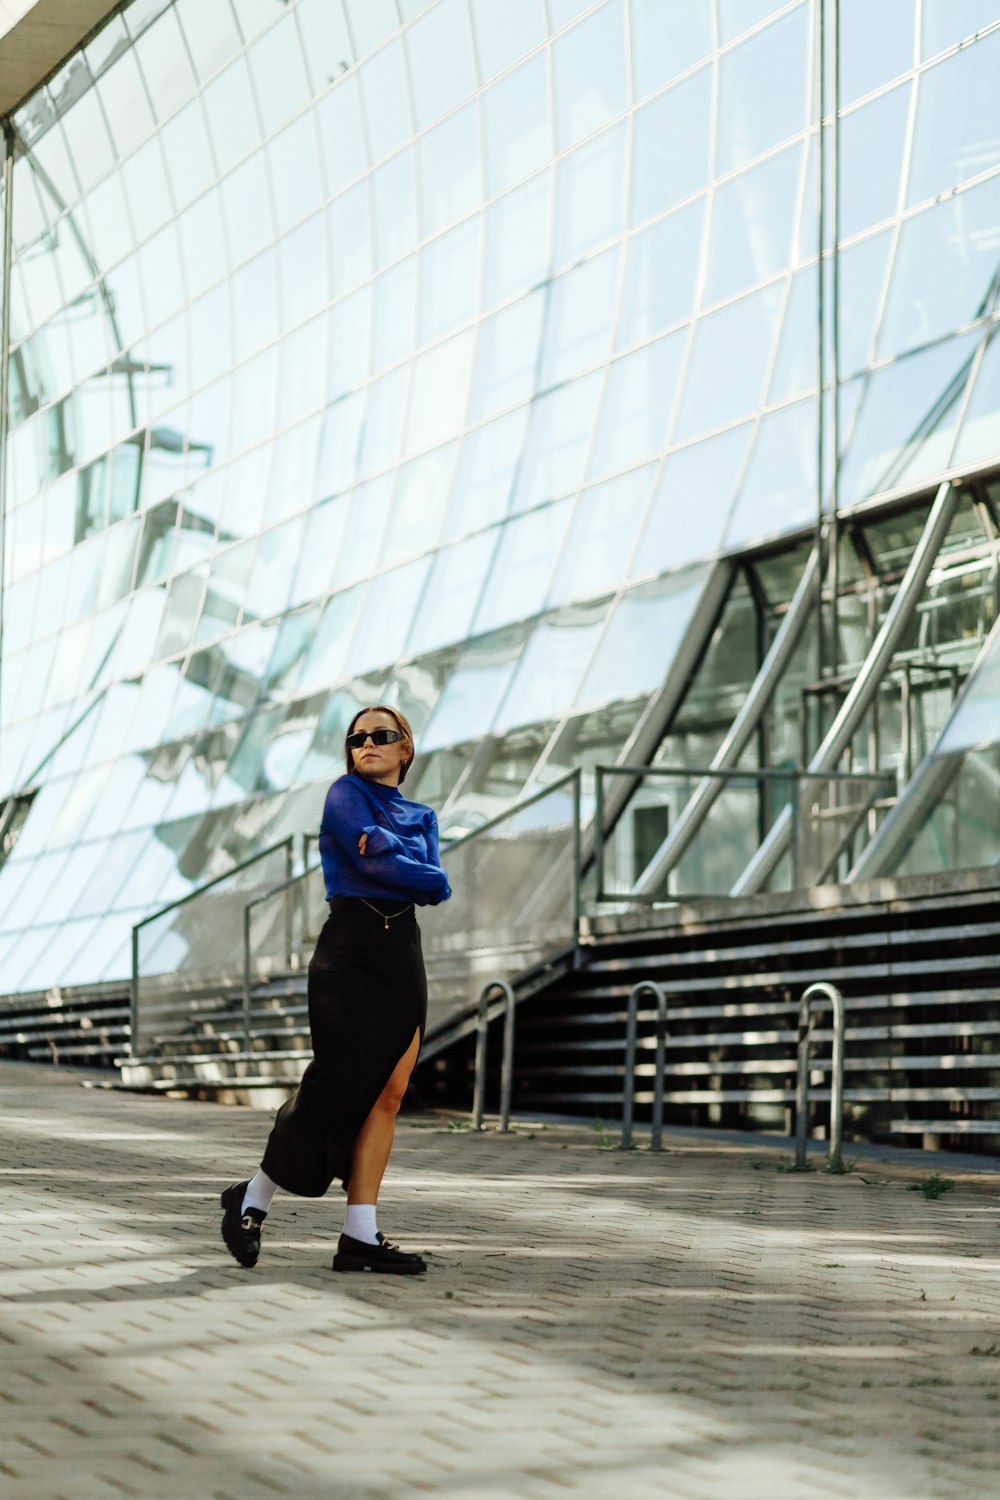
point(404, 725)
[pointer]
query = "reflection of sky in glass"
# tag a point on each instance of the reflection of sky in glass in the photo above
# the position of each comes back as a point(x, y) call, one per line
point(351, 338)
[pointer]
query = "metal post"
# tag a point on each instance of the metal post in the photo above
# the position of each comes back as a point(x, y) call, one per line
point(247, 917)
point(507, 1070)
point(628, 1082)
point(577, 835)
point(133, 1043)
point(8, 245)
point(599, 830)
point(656, 1133)
point(807, 1012)
point(645, 986)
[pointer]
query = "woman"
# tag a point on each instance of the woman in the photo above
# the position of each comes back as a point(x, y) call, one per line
point(367, 1003)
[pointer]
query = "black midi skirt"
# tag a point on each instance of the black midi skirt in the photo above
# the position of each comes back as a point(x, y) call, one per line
point(367, 997)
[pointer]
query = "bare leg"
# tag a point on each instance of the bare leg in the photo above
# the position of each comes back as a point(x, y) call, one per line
point(374, 1143)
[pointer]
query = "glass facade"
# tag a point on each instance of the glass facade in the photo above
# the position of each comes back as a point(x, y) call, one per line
point(429, 351)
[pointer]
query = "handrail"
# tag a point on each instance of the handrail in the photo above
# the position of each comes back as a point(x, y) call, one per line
point(797, 774)
point(286, 843)
point(447, 845)
point(807, 1016)
point(628, 1083)
point(507, 1066)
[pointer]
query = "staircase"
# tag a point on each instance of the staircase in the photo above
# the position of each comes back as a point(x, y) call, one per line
point(917, 960)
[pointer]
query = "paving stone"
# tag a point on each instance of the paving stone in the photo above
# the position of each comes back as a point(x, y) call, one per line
point(694, 1323)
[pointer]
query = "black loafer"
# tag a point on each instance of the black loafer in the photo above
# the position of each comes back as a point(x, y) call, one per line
point(356, 1255)
point(241, 1231)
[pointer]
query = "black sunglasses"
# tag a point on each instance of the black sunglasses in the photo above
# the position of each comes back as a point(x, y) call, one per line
point(377, 737)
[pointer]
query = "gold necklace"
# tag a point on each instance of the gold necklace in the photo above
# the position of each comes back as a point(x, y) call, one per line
point(391, 915)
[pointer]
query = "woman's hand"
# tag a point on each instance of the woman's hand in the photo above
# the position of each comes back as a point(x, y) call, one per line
point(362, 841)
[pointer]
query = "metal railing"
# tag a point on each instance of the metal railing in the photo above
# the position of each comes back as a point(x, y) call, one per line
point(507, 1065)
point(194, 948)
point(824, 826)
point(631, 1041)
point(807, 1018)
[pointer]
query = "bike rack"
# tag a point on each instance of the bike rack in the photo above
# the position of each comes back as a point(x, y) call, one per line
point(807, 1018)
point(507, 1066)
point(628, 1087)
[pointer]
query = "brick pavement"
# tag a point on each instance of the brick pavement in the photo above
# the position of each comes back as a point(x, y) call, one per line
point(693, 1324)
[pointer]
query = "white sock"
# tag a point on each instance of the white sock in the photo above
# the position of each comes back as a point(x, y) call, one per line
point(360, 1223)
point(260, 1191)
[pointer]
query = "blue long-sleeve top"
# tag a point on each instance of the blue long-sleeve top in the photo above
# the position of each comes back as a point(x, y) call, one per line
point(402, 858)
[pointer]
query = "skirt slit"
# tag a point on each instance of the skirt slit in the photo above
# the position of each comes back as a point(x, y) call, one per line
point(367, 1001)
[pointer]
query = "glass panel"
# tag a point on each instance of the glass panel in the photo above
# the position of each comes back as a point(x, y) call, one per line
point(212, 37)
point(763, 90)
point(718, 390)
point(641, 639)
point(862, 275)
point(876, 44)
point(384, 423)
point(342, 428)
point(516, 125)
point(906, 419)
point(953, 137)
point(795, 368)
point(871, 147)
point(736, 16)
point(652, 301)
point(255, 306)
point(670, 146)
point(324, 532)
point(165, 65)
point(301, 383)
point(519, 578)
point(558, 439)
point(943, 23)
point(294, 162)
point(394, 304)
point(145, 184)
point(365, 524)
point(472, 694)
point(590, 204)
point(503, 34)
point(386, 100)
point(753, 219)
point(554, 660)
point(588, 67)
point(246, 206)
point(370, 21)
point(452, 593)
point(349, 323)
point(302, 272)
point(324, 663)
point(279, 74)
point(326, 42)
point(667, 40)
point(393, 208)
point(487, 464)
point(980, 434)
point(580, 312)
point(976, 719)
point(338, 119)
point(780, 488)
point(449, 279)
point(440, 53)
point(449, 170)
point(600, 541)
point(422, 489)
point(638, 403)
point(943, 270)
point(350, 250)
point(692, 502)
point(187, 154)
point(440, 393)
point(126, 103)
point(385, 621)
point(517, 240)
point(507, 357)
point(232, 115)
